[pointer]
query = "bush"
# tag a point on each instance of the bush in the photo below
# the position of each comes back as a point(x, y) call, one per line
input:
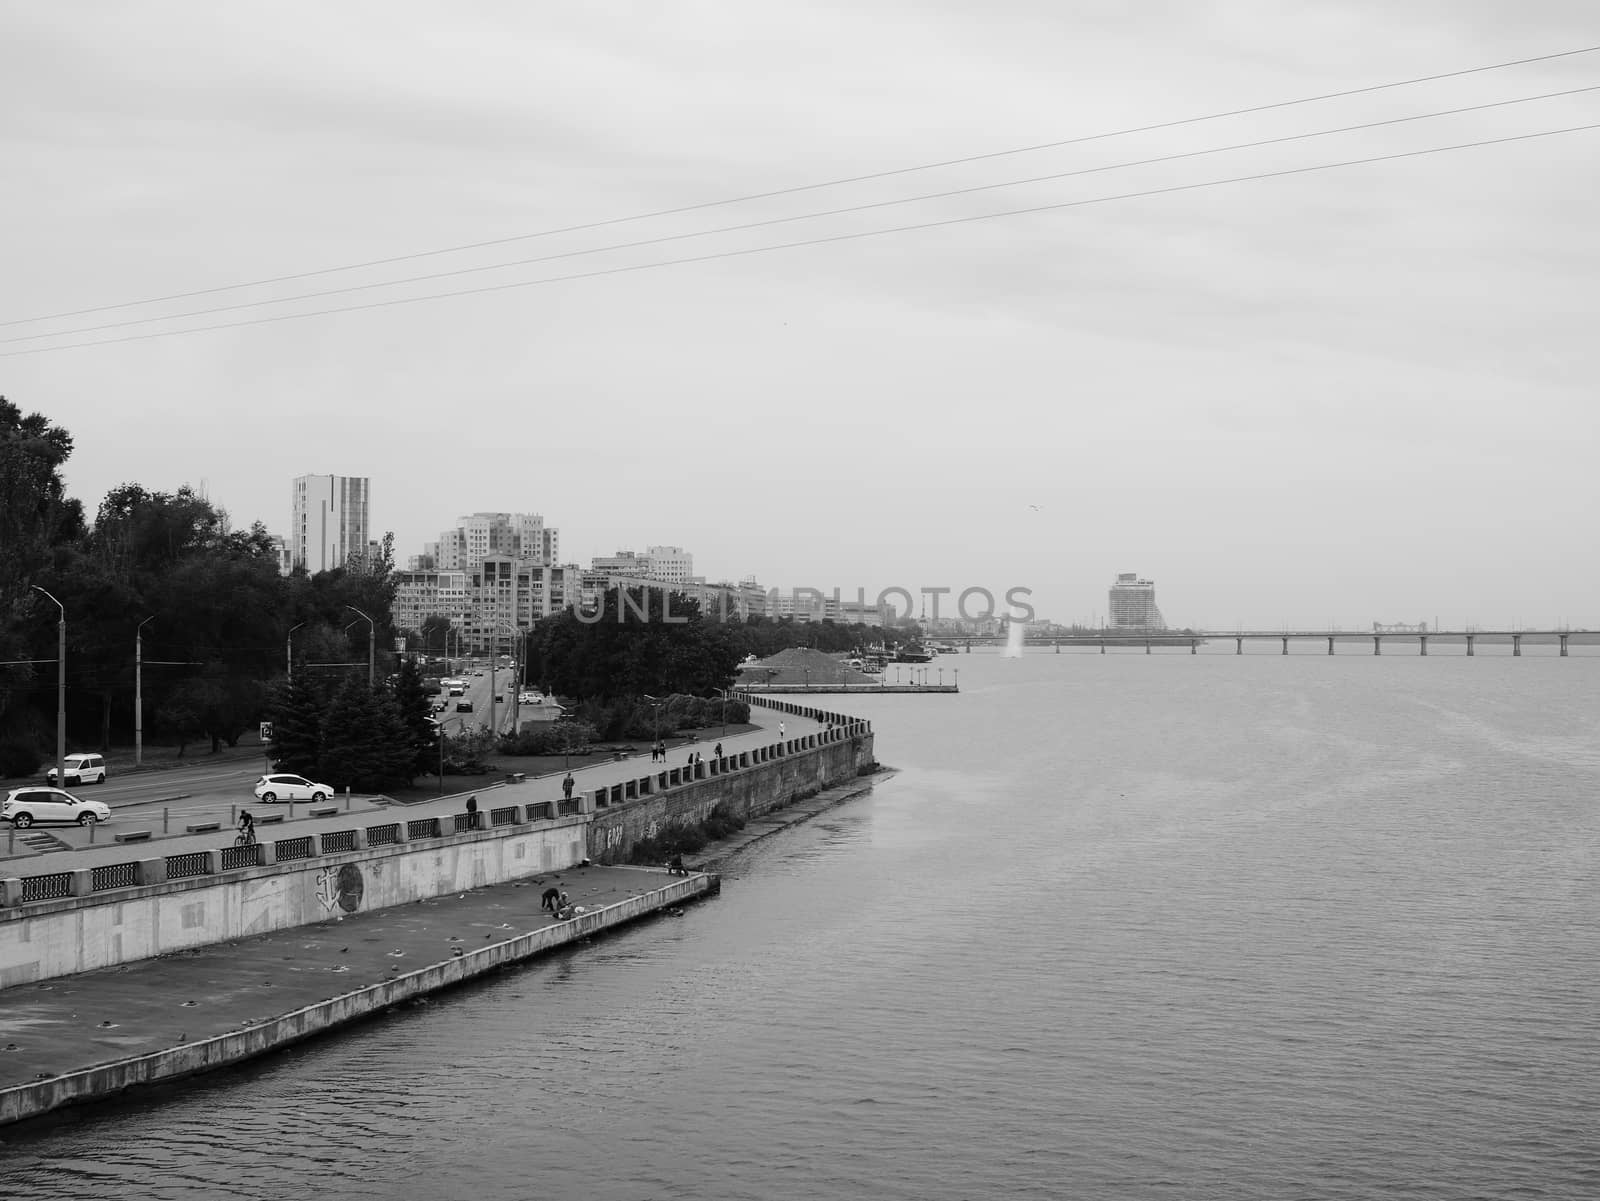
point(20, 756)
point(686, 839)
point(553, 738)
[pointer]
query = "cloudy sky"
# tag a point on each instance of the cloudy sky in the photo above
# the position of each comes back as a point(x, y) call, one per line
point(1365, 392)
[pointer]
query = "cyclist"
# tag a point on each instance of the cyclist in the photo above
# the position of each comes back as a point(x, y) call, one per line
point(247, 829)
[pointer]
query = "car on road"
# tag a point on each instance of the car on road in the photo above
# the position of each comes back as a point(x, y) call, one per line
point(463, 706)
point(80, 769)
point(283, 787)
point(25, 806)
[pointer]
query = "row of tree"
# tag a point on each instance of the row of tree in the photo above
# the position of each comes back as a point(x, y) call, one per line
point(166, 605)
point(172, 611)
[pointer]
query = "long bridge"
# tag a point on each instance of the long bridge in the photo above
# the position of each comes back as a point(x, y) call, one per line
point(1161, 638)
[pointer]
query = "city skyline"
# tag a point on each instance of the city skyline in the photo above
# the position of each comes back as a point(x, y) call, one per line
point(1365, 390)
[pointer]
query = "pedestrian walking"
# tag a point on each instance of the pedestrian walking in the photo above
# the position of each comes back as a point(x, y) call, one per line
point(782, 730)
point(568, 785)
point(472, 813)
point(718, 752)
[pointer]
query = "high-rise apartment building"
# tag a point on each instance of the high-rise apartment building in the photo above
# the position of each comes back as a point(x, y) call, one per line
point(475, 537)
point(328, 521)
point(670, 563)
point(1133, 604)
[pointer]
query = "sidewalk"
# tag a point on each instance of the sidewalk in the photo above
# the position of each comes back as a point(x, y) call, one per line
point(70, 1023)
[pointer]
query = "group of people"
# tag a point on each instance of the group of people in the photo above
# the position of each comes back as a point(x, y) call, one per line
point(658, 753)
point(560, 905)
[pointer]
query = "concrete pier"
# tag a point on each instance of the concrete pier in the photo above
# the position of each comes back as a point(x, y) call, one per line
point(176, 1017)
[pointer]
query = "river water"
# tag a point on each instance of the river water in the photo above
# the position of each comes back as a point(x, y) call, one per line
point(1123, 926)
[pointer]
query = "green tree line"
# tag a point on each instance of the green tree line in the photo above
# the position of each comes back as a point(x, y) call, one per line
point(164, 573)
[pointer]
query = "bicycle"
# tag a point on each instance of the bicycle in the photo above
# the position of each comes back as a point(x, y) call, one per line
point(245, 838)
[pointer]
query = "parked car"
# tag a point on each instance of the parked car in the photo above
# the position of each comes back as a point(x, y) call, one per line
point(80, 769)
point(25, 806)
point(290, 788)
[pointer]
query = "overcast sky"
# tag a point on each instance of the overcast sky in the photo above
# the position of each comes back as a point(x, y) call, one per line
point(1345, 395)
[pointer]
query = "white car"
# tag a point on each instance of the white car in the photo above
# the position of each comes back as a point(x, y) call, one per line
point(80, 769)
point(25, 806)
point(283, 787)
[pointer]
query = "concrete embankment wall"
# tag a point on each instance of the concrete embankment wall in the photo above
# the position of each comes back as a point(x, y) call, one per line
point(790, 771)
point(81, 933)
point(62, 923)
point(105, 1080)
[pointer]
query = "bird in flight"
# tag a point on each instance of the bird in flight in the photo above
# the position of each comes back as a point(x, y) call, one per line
point(1037, 508)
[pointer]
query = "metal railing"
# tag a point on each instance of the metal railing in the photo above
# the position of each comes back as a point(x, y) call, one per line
point(191, 863)
point(45, 888)
point(303, 847)
point(237, 857)
point(384, 835)
point(506, 816)
point(338, 840)
point(422, 827)
point(115, 875)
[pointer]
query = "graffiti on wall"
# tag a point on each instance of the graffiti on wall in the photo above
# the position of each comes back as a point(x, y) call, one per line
point(340, 888)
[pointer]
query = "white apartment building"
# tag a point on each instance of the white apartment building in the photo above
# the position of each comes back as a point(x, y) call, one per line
point(419, 595)
point(479, 535)
point(329, 520)
point(670, 563)
point(506, 595)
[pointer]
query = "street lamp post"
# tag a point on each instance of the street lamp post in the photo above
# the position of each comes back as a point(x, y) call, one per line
point(138, 690)
point(288, 651)
point(372, 647)
point(61, 691)
point(655, 705)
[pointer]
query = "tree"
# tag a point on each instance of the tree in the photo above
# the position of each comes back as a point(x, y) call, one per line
point(416, 718)
point(364, 741)
point(37, 518)
point(629, 649)
point(296, 711)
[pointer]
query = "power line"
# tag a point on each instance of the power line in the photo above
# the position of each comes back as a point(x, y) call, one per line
point(820, 241)
point(811, 187)
point(750, 225)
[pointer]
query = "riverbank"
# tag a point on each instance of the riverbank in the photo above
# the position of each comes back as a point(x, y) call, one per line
point(90, 1037)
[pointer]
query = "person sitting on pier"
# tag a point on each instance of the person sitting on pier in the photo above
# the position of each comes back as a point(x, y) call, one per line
point(676, 867)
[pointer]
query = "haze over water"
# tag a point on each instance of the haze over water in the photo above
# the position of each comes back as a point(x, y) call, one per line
point(1123, 926)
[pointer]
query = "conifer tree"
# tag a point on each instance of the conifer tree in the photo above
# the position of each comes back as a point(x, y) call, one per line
point(297, 711)
point(358, 737)
point(416, 718)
